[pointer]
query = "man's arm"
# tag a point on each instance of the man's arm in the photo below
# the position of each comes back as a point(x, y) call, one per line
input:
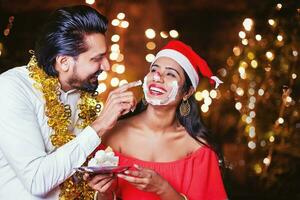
point(23, 145)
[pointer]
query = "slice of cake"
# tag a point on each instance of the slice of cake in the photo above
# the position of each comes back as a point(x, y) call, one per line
point(104, 158)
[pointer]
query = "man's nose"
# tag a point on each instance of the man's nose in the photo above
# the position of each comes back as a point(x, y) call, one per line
point(105, 66)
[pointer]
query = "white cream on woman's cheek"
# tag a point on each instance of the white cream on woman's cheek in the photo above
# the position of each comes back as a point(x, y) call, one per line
point(157, 102)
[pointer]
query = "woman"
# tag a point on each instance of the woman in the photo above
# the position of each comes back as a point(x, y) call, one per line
point(172, 153)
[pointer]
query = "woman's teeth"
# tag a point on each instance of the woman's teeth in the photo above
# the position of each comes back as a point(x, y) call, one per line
point(157, 90)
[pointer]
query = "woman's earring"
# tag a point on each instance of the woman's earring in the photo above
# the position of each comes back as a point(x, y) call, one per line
point(145, 103)
point(184, 108)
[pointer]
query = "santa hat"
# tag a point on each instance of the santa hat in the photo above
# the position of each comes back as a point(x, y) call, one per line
point(189, 60)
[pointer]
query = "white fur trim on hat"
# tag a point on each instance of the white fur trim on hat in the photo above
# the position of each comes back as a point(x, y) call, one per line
point(182, 61)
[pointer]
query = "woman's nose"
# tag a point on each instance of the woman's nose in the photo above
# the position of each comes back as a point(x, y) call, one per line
point(157, 76)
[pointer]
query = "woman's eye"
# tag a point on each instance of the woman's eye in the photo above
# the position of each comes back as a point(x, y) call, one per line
point(153, 70)
point(171, 74)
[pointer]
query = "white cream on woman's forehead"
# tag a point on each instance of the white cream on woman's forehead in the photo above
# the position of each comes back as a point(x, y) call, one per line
point(154, 101)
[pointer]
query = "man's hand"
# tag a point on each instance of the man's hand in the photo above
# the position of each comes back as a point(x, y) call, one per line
point(119, 102)
point(104, 184)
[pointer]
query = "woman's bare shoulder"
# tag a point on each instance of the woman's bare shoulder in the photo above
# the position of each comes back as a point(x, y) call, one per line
point(118, 133)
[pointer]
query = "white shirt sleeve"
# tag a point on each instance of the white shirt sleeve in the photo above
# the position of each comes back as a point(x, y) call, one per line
point(22, 143)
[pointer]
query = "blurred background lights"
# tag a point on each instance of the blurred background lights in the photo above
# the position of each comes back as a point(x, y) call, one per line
point(121, 16)
point(237, 51)
point(205, 93)
point(164, 34)
point(279, 38)
point(150, 33)
point(261, 92)
point(204, 108)
point(115, 48)
point(267, 161)
point(122, 82)
point(207, 101)
point(115, 38)
point(124, 24)
point(120, 57)
point(102, 76)
point(114, 82)
point(252, 99)
point(114, 67)
point(240, 91)
point(91, 2)
point(248, 120)
point(115, 22)
point(248, 23)
point(257, 168)
point(272, 22)
point(150, 57)
point(245, 42)
point(251, 145)
point(252, 114)
point(263, 143)
point(242, 34)
point(213, 94)
point(269, 55)
point(251, 55)
point(198, 96)
point(295, 53)
point(254, 64)
point(101, 88)
point(278, 6)
point(258, 37)
point(280, 120)
point(238, 105)
point(174, 33)
point(151, 45)
point(251, 91)
point(120, 69)
point(113, 55)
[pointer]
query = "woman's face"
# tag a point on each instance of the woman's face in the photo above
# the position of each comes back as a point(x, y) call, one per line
point(163, 84)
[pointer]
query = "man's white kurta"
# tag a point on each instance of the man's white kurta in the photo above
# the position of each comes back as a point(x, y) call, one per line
point(30, 167)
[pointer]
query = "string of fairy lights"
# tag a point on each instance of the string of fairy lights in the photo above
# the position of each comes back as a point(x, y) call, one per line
point(255, 53)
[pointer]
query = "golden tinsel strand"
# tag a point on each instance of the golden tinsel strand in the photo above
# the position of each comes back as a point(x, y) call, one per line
point(74, 188)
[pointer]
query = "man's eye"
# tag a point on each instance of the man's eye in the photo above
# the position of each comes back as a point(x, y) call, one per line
point(97, 59)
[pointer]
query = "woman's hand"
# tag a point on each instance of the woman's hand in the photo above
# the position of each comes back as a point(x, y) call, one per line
point(146, 180)
point(103, 183)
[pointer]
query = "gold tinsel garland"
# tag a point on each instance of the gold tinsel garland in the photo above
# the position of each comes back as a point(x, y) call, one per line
point(74, 188)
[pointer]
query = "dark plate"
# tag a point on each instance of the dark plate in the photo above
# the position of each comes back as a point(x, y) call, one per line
point(103, 170)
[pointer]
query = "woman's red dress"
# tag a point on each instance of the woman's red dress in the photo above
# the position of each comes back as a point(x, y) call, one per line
point(197, 176)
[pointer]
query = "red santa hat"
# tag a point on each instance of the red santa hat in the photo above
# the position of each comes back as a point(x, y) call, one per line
point(189, 60)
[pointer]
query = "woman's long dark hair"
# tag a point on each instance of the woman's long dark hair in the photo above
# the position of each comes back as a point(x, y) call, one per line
point(192, 122)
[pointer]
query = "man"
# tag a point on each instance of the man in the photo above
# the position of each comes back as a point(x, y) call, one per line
point(46, 104)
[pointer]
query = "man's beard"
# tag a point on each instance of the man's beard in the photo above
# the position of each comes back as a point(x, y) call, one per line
point(86, 85)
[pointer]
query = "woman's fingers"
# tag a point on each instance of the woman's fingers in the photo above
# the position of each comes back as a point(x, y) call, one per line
point(133, 179)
